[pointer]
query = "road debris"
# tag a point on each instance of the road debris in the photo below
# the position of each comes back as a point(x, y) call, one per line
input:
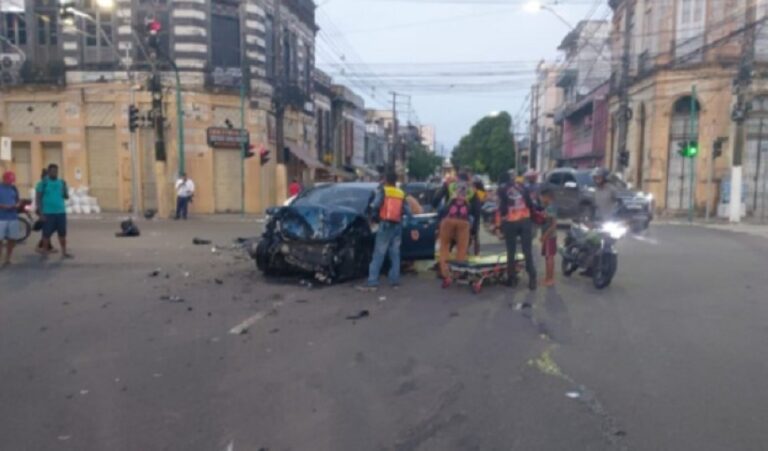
point(274, 331)
point(382, 298)
point(83, 392)
point(218, 281)
point(573, 394)
point(64, 438)
point(360, 315)
point(155, 272)
point(453, 314)
point(174, 299)
point(128, 229)
point(200, 241)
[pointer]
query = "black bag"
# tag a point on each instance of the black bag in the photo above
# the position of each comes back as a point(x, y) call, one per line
point(38, 225)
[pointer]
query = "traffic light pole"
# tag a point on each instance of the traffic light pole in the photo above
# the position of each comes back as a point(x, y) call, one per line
point(694, 129)
point(134, 156)
point(242, 146)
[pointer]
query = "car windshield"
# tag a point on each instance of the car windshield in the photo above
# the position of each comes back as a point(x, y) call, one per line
point(584, 178)
point(356, 198)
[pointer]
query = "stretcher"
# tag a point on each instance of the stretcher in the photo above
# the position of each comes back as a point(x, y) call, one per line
point(477, 271)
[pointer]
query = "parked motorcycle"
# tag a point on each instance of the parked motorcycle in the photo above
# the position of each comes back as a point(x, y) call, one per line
point(25, 220)
point(594, 250)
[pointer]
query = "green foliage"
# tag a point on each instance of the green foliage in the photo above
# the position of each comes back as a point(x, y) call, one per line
point(489, 148)
point(422, 163)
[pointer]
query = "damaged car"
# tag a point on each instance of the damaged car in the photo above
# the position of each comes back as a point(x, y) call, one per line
point(326, 233)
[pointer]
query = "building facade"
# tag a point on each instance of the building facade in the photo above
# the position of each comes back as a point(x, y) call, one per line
point(545, 134)
point(582, 116)
point(70, 81)
point(684, 57)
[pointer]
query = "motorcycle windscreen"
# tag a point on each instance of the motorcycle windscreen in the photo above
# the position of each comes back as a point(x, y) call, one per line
point(419, 237)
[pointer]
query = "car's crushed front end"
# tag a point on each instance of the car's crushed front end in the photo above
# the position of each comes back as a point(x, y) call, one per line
point(327, 243)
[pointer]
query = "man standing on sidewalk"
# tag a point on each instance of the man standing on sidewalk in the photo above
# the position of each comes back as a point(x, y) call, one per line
point(185, 190)
point(391, 207)
point(9, 218)
point(52, 193)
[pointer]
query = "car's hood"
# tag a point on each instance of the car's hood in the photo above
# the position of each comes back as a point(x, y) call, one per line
point(316, 222)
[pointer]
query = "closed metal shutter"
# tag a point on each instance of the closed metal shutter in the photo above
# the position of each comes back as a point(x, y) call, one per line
point(22, 162)
point(102, 166)
point(227, 181)
point(52, 155)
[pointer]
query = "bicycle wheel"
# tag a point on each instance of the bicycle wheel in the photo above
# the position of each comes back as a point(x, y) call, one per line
point(25, 230)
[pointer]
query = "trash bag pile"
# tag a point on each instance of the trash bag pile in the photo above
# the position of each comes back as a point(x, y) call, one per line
point(80, 202)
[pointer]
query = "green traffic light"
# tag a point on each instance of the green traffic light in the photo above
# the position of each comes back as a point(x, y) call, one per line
point(691, 149)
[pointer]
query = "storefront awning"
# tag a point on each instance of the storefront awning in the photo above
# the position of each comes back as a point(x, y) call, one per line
point(303, 155)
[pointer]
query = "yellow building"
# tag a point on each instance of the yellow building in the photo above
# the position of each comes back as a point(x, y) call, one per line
point(84, 129)
point(676, 47)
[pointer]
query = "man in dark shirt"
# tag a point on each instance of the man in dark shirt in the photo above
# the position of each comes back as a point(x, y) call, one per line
point(515, 210)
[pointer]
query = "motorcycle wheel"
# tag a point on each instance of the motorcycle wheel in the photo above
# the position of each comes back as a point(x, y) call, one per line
point(604, 270)
point(567, 265)
point(25, 227)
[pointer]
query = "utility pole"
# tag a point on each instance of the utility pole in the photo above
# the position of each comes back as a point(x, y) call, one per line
point(395, 136)
point(535, 154)
point(741, 105)
point(693, 136)
point(624, 111)
point(281, 78)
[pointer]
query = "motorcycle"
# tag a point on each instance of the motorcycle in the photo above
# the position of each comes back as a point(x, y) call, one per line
point(26, 221)
point(594, 250)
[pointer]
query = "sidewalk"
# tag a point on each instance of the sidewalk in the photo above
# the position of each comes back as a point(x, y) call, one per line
point(215, 218)
point(754, 229)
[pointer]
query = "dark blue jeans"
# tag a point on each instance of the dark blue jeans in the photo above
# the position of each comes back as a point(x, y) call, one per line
point(389, 237)
point(182, 205)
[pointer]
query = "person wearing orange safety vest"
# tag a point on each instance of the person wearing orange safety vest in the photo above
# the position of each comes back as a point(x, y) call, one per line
point(515, 209)
point(391, 209)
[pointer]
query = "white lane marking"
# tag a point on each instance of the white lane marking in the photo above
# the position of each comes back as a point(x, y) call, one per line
point(237, 330)
point(231, 446)
point(645, 239)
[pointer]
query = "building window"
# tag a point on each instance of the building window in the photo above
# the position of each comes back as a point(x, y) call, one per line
point(16, 29)
point(98, 31)
point(225, 31)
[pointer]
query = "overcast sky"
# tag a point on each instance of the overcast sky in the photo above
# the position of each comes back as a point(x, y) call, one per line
point(443, 31)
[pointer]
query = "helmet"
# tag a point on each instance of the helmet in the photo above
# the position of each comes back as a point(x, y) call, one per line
point(601, 172)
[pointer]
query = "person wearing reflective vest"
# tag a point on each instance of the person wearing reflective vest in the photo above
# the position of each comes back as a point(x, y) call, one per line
point(390, 210)
point(460, 209)
point(515, 208)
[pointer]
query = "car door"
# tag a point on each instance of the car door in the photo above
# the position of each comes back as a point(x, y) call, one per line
point(419, 235)
point(569, 197)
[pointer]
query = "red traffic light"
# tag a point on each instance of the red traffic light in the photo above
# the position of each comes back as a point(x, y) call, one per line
point(154, 26)
point(264, 155)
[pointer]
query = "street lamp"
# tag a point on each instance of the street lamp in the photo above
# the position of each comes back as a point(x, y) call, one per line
point(535, 6)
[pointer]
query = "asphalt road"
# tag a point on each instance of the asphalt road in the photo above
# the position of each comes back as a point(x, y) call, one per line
point(96, 355)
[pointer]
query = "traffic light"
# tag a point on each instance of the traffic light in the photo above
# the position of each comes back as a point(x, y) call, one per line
point(249, 151)
point(624, 159)
point(133, 118)
point(264, 156)
point(717, 147)
point(153, 30)
point(688, 149)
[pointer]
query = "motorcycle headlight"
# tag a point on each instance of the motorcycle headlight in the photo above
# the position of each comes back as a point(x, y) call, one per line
point(615, 230)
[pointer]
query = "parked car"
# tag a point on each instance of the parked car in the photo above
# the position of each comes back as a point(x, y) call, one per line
point(574, 197)
point(326, 232)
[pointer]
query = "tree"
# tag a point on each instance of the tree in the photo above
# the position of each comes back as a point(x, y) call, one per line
point(422, 163)
point(489, 148)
